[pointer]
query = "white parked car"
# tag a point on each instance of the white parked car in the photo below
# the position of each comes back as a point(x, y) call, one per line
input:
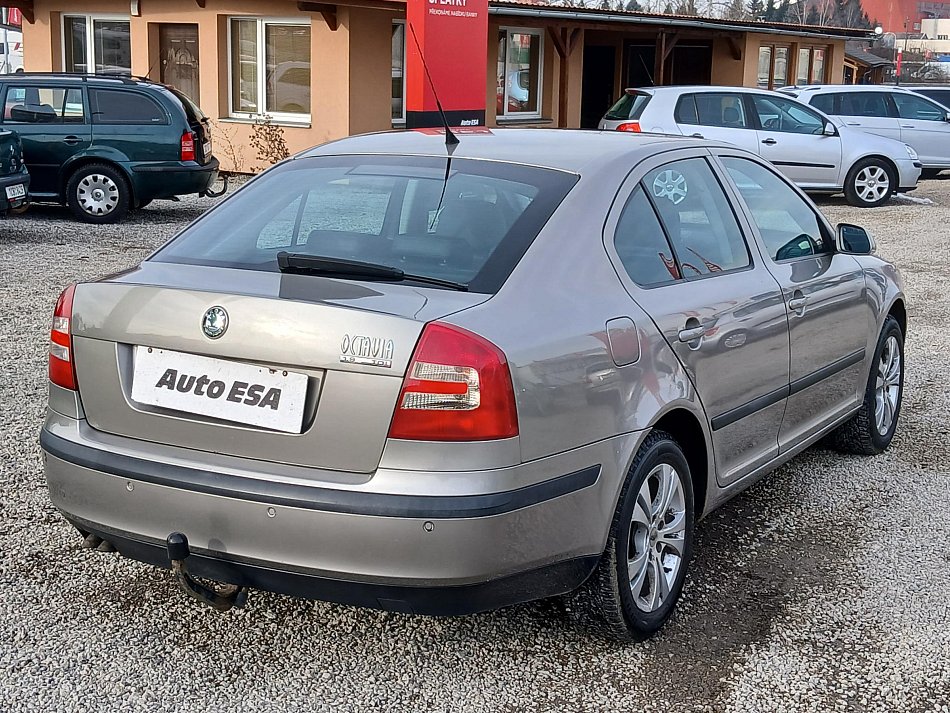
point(816, 152)
point(895, 112)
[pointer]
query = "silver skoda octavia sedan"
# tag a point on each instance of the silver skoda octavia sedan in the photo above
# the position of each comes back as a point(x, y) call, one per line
point(397, 377)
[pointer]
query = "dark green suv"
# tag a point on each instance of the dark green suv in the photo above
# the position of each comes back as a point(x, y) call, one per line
point(104, 145)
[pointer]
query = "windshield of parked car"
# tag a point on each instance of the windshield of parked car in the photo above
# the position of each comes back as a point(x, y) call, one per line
point(395, 211)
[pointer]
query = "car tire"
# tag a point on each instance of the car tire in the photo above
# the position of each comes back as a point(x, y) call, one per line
point(872, 428)
point(622, 604)
point(870, 183)
point(98, 193)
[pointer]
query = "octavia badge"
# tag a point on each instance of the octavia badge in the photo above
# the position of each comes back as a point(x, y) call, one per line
point(215, 322)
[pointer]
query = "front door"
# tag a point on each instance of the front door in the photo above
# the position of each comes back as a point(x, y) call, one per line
point(829, 315)
point(178, 46)
point(868, 110)
point(924, 126)
point(791, 137)
point(53, 123)
point(598, 90)
point(719, 309)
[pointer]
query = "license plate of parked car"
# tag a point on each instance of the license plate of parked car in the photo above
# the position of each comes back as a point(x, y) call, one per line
point(222, 389)
point(16, 191)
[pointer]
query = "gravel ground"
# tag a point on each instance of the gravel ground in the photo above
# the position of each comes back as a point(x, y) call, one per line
point(824, 587)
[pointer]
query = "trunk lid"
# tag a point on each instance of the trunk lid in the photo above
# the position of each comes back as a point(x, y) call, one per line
point(351, 341)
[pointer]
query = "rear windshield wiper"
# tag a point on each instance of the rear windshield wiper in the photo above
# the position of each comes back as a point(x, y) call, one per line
point(330, 266)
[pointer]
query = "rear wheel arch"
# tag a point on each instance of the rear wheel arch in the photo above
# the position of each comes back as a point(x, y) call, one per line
point(687, 430)
point(80, 162)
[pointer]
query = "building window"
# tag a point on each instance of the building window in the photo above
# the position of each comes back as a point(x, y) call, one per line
point(270, 68)
point(97, 43)
point(399, 73)
point(811, 66)
point(773, 66)
point(519, 73)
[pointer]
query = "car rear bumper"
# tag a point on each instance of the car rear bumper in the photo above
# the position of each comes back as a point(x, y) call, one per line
point(21, 178)
point(172, 178)
point(440, 554)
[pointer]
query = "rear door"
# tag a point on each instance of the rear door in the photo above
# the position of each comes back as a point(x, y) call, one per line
point(924, 126)
point(791, 136)
point(52, 120)
point(720, 116)
point(689, 267)
point(869, 110)
point(130, 125)
point(829, 315)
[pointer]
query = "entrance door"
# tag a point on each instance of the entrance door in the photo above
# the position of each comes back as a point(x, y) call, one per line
point(178, 47)
point(689, 64)
point(597, 89)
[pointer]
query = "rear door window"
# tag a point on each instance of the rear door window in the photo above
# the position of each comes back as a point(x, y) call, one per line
point(715, 109)
point(864, 104)
point(697, 217)
point(825, 103)
point(43, 105)
point(116, 106)
point(396, 211)
point(910, 106)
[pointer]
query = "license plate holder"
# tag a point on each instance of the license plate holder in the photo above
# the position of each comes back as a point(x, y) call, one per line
point(232, 391)
point(17, 190)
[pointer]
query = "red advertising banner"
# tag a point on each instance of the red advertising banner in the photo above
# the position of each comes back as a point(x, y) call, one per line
point(13, 17)
point(452, 37)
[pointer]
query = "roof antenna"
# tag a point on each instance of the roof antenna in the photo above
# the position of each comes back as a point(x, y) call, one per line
point(451, 140)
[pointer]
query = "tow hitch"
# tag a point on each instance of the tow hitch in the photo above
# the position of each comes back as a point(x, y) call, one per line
point(231, 595)
point(208, 193)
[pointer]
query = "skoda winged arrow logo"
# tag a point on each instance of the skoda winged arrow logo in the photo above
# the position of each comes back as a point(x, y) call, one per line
point(215, 322)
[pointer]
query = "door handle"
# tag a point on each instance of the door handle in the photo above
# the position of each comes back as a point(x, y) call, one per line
point(691, 334)
point(697, 136)
point(770, 142)
point(907, 126)
point(797, 304)
point(71, 140)
point(853, 123)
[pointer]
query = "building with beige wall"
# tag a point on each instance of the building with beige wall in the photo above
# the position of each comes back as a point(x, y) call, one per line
point(322, 71)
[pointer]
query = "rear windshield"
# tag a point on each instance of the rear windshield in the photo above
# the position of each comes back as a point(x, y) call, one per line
point(629, 106)
point(396, 211)
point(192, 110)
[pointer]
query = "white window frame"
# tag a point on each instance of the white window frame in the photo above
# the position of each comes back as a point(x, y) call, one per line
point(90, 19)
point(401, 121)
point(539, 33)
point(277, 116)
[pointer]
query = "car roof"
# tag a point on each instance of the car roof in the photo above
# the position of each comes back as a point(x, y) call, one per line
point(573, 150)
point(836, 88)
point(700, 88)
point(109, 79)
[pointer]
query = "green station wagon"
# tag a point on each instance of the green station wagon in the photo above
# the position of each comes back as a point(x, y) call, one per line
point(104, 145)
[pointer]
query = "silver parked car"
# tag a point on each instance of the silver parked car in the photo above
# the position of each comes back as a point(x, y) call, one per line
point(892, 112)
point(384, 376)
point(807, 146)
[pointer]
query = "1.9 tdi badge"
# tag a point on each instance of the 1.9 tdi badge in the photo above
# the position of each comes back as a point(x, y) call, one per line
point(215, 322)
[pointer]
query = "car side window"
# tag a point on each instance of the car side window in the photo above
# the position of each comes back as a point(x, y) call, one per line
point(43, 105)
point(697, 217)
point(777, 114)
point(864, 104)
point(716, 109)
point(788, 225)
point(824, 102)
point(685, 112)
point(641, 244)
point(910, 106)
point(111, 106)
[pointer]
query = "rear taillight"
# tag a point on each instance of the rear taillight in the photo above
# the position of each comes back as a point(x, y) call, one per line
point(633, 126)
point(457, 388)
point(62, 370)
point(188, 146)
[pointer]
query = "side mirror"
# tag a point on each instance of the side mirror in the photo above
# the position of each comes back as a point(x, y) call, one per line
point(830, 130)
point(853, 240)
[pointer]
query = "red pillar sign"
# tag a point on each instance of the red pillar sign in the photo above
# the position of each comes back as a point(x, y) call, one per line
point(452, 37)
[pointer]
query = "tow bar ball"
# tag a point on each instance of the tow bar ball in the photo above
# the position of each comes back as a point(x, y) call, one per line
point(230, 595)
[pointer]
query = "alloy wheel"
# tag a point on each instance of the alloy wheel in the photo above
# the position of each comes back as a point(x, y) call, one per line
point(872, 183)
point(887, 390)
point(97, 194)
point(657, 538)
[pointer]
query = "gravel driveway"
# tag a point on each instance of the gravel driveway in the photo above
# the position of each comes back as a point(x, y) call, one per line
point(824, 587)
